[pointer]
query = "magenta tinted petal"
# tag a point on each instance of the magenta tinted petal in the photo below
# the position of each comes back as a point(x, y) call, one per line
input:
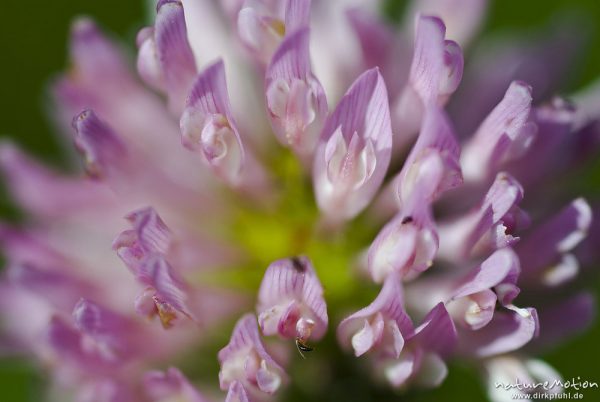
point(564, 319)
point(65, 340)
point(245, 360)
point(453, 69)
point(544, 247)
point(297, 15)
point(386, 310)
point(504, 126)
point(462, 18)
point(149, 235)
point(171, 384)
point(295, 99)
point(262, 24)
point(437, 333)
point(398, 372)
point(501, 267)
point(152, 232)
point(437, 135)
point(380, 47)
point(207, 124)
point(98, 62)
point(106, 390)
point(427, 65)
point(170, 292)
point(406, 245)
point(58, 287)
point(360, 127)
point(291, 295)
point(508, 331)
point(148, 63)
point(237, 393)
point(555, 123)
point(174, 53)
point(27, 179)
point(111, 332)
point(103, 151)
point(486, 227)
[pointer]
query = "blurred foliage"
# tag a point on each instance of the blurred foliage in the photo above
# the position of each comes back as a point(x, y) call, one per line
point(33, 40)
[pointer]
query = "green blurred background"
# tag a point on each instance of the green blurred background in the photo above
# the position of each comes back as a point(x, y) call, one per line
point(33, 37)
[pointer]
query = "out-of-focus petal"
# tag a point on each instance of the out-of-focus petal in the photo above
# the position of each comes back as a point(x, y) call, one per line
point(245, 360)
point(474, 300)
point(565, 318)
point(542, 250)
point(167, 291)
point(508, 331)
point(489, 226)
point(170, 385)
point(462, 18)
point(44, 192)
point(437, 332)
point(237, 393)
point(263, 24)
point(504, 372)
point(97, 61)
point(103, 151)
point(504, 126)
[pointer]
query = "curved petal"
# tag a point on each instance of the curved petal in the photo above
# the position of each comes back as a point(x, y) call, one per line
point(389, 306)
point(295, 99)
point(508, 331)
point(174, 53)
point(293, 280)
point(505, 125)
point(362, 118)
point(207, 124)
point(171, 384)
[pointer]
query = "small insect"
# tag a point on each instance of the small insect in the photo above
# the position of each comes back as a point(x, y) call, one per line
point(407, 219)
point(303, 347)
point(298, 264)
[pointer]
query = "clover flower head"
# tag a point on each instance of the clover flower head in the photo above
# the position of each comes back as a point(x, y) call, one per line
point(329, 181)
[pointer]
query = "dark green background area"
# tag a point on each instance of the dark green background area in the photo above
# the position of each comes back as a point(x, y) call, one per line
point(33, 48)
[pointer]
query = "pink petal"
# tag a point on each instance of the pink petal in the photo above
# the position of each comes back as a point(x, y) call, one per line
point(27, 180)
point(149, 235)
point(170, 384)
point(292, 280)
point(485, 223)
point(388, 306)
point(406, 245)
point(546, 244)
point(436, 135)
point(243, 346)
point(103, 151)
point(207, 124)
point(237, 393)
point(461, 17)
point(295, 98)
point(508, 331)
point(502, 266)
point(174, 53)
point(362, 114)
point(437, 333)
point(490, 145)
